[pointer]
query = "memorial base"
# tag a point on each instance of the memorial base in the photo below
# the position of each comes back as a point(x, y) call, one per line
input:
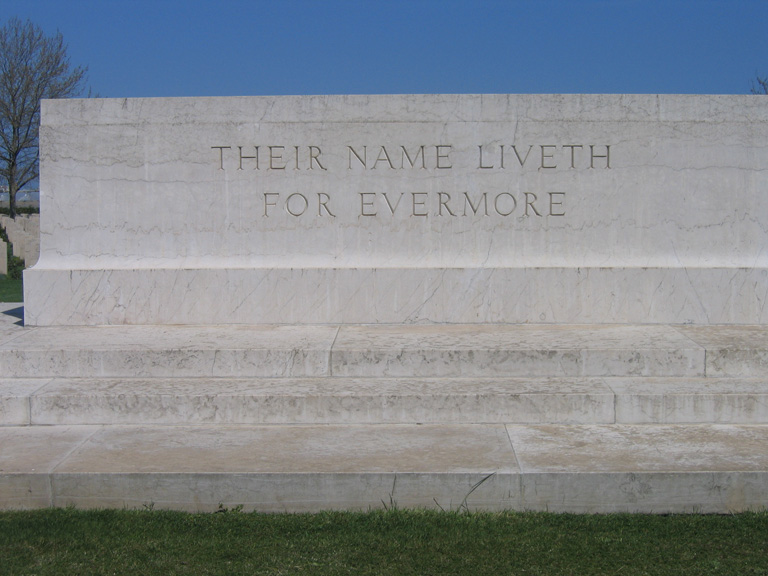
point(395, 295)
point(546, 302)
point(564, 418)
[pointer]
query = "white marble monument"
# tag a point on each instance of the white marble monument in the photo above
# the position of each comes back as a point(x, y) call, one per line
point(464, 302)
point(403, 209)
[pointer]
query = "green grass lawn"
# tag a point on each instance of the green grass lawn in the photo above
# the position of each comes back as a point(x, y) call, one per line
point(67, 541)
point(10, 290)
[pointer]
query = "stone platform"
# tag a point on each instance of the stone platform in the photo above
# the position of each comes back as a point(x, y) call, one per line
point(579, 418)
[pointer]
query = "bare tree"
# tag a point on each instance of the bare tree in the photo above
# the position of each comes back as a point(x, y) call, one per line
point(761, 87)
point(32, 66)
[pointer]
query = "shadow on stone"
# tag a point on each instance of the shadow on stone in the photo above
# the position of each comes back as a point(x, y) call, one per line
point(16, 313)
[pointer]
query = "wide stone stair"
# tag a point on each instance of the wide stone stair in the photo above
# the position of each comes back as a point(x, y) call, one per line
point(599, 418)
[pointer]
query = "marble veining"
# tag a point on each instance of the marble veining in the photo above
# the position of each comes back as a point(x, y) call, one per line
point(402, 209)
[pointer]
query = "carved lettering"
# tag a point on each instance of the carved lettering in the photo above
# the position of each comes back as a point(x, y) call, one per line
point(490, 156)
point(242, 157)
point(552, 156)
point(420, 204)
point(383, 155)
point(296, 204)
point(389, 204)
point(405, 156)
point(362, 159)
point(322, 203)
point(530, 198)
point(522, 160)
point(443, 161)
point(221, 154)
point(592, 156)
point(414, 158)
point(468, 202)
point(280, 157)
point(472, 203)
point(546, 155)
point(314, 157)
point(480, 163)
point(444, 199)
point(302, 204)
point(498, 210)
point(276, 155)
point(366, 204)
point(267, 203)
point(556, 200)
point(573, 152)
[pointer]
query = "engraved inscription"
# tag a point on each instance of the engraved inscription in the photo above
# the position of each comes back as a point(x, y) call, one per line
point(544, 156)
point(379, 159)
point(466, 204)
point(399, 158)
point(297, 204)
point(270, 157)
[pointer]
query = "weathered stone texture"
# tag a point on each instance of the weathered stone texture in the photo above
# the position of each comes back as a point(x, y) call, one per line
point(403, 209)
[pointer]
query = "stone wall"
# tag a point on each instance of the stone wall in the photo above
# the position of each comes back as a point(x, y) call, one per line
point(392, 209)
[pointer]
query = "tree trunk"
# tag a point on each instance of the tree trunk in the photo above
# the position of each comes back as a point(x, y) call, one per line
point(12, 188)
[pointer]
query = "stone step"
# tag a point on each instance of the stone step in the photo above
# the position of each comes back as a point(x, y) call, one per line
point(383, 351)
point(280, 418)
point(200, 401)
point(595, 468)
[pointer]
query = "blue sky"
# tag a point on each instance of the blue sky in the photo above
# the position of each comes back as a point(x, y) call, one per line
point(238, 47)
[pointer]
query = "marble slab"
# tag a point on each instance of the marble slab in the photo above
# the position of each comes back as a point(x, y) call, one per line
point(28, 456)
point(584, 469)
point(350, 351)
point(690, 400)
point(737, 351)
point(638, 448)
point(15, 394)
point(522, 350)
point(652, 469)
point(317, 400)
point(169, 351)
point(402, 209)
point(546, 400)
point(291, 468)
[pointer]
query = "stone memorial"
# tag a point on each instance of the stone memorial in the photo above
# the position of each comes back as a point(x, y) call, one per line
point(530, 302)
point(402, 209)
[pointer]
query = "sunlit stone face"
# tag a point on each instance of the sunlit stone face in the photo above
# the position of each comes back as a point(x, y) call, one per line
point(386, 209)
